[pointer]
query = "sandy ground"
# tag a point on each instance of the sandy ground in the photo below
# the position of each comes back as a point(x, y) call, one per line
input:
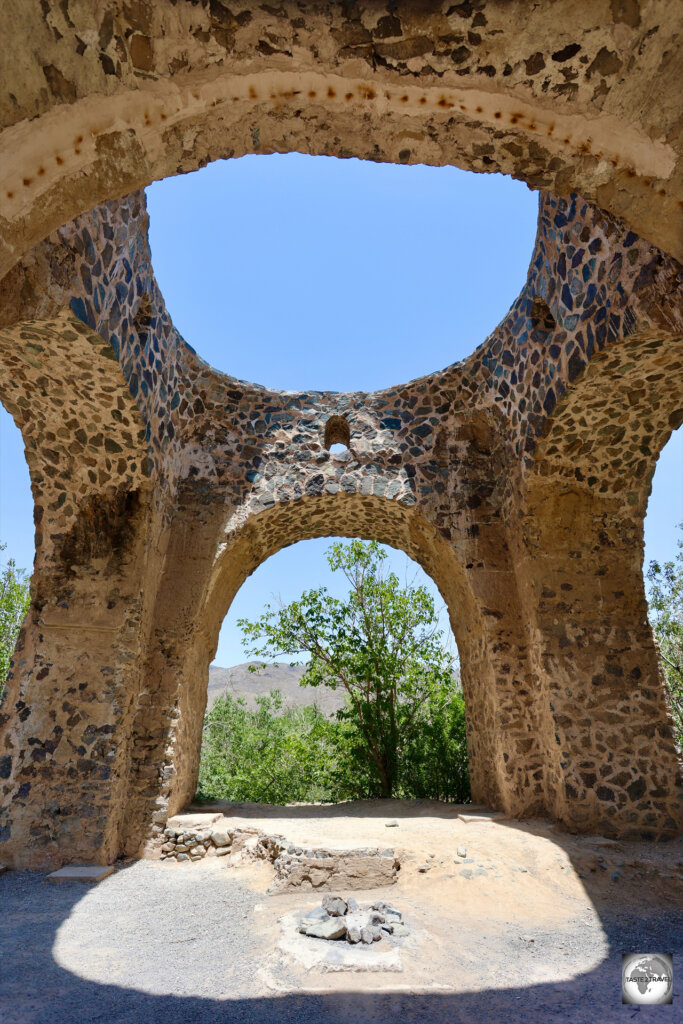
point(528, 926)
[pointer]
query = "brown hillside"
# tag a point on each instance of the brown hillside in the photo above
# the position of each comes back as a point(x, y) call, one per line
point(240, 682)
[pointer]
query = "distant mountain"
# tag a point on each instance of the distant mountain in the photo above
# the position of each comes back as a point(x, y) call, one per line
point(240, 682)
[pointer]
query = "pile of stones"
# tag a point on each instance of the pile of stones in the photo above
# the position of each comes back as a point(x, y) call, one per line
point(337, 918)
point(195, 844)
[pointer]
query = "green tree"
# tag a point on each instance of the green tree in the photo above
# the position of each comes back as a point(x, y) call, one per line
point(272, 754)
point(14, 602)
point(381, 645)
point(666, 615)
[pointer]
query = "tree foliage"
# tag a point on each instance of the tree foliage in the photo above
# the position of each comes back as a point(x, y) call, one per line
point(666, 614)
point(382, 646)
point(273, 754)
point(14, 602)
point(277, 754)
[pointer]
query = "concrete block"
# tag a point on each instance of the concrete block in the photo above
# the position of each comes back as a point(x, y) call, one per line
point(81, 873)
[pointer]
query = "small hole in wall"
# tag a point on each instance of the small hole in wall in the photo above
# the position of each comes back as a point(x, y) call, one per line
point(337, 434)
point(541, 317)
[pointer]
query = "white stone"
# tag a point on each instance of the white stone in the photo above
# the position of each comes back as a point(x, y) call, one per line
point(192, 822)
point(333, 928)
point(482, 818)
point(81, 873)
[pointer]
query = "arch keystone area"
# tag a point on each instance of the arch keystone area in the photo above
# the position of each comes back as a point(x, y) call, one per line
point(518, 477)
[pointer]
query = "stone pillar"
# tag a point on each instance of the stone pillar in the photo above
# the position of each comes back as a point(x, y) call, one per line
point(65, 727)
point(612, 766)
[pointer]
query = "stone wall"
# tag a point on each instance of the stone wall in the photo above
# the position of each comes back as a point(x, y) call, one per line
point(518, 478)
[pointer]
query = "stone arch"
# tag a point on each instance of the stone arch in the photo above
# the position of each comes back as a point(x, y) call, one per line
point(453, 448)
point(84, 444)
point(196, 595)
point(476, 452)
point(586, 501)
point(87, 125)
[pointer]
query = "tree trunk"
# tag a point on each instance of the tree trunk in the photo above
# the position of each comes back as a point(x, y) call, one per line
point(386, 781)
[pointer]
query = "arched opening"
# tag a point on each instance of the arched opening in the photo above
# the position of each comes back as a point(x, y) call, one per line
point(663, 571)
point(589, 490)
point(17, 546)
point(323, 739)
point(375, 273)
point(456, 447)
point(193, 619)
point(337, 434)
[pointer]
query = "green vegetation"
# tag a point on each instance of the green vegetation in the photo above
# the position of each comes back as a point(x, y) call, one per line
point(275, 754)
point(272, 755)
point(666, 615)
point(14, 602)
point(401, 731)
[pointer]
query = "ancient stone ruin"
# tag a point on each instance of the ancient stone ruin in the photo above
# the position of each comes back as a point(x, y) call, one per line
point(189, 838)
point(518, 478)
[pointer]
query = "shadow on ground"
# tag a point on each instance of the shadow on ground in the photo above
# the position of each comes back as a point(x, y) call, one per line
point(393, 808)
point(36, 989)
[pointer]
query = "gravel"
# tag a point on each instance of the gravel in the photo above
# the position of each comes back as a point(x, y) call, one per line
point(170, 945)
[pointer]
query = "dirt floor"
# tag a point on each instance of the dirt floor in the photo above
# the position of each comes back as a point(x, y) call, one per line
point(514, 921)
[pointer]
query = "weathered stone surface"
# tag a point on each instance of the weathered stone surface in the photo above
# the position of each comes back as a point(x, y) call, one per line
point(545, 97)
point(345, 869)
point(518, 478)
point(81, 873)
point(335, 906)
point(190, 824)
point(317, 914)
point(220, 837)
point(332, 928)
point(399, 930)
point(370, 934)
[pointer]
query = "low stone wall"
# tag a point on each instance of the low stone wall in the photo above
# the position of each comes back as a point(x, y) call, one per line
point(192, 844)
point(190, 838)
point(335, 869)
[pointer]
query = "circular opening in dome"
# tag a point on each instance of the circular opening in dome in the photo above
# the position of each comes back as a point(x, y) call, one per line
point(316, 273)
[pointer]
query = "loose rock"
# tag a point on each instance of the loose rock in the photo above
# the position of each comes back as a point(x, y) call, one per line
point(221, 838)
point(399, 930)
point(333, 928)
point(335, 906)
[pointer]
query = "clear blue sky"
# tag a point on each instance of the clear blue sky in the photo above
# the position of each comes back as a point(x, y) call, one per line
point(312, 272)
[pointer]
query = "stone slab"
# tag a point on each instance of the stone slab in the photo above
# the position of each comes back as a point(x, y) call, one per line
point(338, 956)
point(81, 873)
point(482, 817)
point(193, 822)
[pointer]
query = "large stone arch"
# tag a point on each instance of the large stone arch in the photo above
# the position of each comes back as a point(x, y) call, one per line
point(77, 661)
point(119, 96)
point(586, 500)
point(195, 596)
point(482, 458)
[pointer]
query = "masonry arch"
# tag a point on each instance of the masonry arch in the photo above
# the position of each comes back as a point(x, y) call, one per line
point(193, 613)
point(472, 446)
point(588, 490)
point(406, 86)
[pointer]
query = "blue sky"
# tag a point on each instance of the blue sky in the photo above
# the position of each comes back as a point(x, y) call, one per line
point(312, 272)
